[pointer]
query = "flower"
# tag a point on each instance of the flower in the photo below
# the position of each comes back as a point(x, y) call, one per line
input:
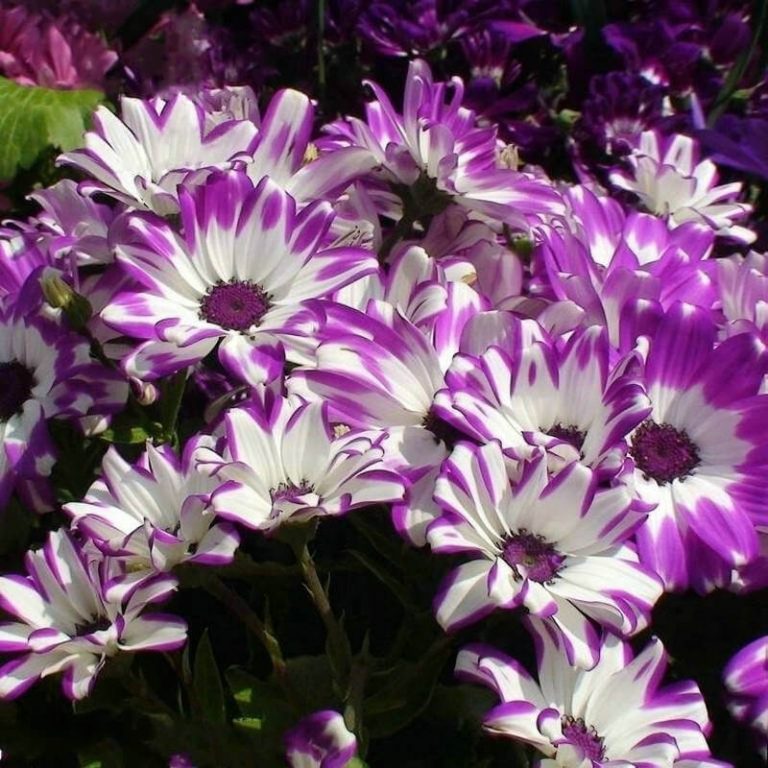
point(73, 224)
point(670, 182)
point(69, 622)
point(556, 545)
point(282, 463)
point(605, 267)
point(700, 456)
point(613, 714)
point(746, 678)
point(380, 372)
point(320, 740)
point(46, 372)
point(533, 391)
point(743, 287)
point(141, 158)
point(408, 27)
point(437, 151)
point(618, 108)
point(240, 274)
point(154, 514)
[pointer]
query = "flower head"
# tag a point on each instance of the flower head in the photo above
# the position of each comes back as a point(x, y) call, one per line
point(699, 457)
point(613, 714)
point(746, 678)
point(46, 372)
point(154, 514)
point(555, 545)
point(282, 463)
point(240, 273)
point(670, 182)
point(437, 151)
point(69, 621)
point(320, 740)
point(141, 157)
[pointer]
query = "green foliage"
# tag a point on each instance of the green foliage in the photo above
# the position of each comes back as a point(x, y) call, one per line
point(33, 119)
point(104, 754)
point(209, 691)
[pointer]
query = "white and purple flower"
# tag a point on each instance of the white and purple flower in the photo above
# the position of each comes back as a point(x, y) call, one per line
point(239, 275)
point(282, 463)
point(68, 619)
point(155, 514)
point(142, 158)
point(438, 144)
point(567, 398)
point(746, 678)
point(700, 456)
point(556, 545)
point(46, 372)
point(320, 740)
point(671, 182)
point(615, 714)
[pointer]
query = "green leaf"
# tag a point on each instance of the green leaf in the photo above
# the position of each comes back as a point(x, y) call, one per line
point(406, 694)
point(209, 691)
point(259, 699)
point(103, 754)
point(249, 723)
point(125, 435)
point(33, 119)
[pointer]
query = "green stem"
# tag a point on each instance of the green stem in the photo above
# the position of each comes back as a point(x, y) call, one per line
point(353, 712)
point(216, 587)
point(173, 393)
point(739, 68)
point(338, 644)
point(321, 47)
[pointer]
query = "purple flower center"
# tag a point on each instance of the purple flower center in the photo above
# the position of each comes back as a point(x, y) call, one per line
point(570, 435)
point(235, 306)
point(291, 492)
point(16, 383)
point(531, 557)
point(662, 452)
point(584, 737)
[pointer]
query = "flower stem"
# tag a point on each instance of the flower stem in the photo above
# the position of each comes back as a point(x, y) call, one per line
point(339, 651)
point(216, 587)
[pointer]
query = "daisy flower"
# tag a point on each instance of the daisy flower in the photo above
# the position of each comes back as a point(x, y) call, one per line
point(700, 455)
point(154, 514)
point(615, 714)
point(320, 740)
point(567, 398)
point(240, 274)
point(46, 372)
point(69, 621)
point(141, 157)
point(746, 678)
point(672, 183)
point(556, 545)
point(282, 463)
point(436, 148)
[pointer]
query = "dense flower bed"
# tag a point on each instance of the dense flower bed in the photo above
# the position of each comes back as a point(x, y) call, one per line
point(383, 384)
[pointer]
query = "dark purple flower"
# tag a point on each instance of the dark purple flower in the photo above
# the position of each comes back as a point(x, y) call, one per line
point(740, 143)
point(619, 107)
point(416, 27)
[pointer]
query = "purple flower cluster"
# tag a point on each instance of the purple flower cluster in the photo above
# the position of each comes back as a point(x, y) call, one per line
point(560, 386)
